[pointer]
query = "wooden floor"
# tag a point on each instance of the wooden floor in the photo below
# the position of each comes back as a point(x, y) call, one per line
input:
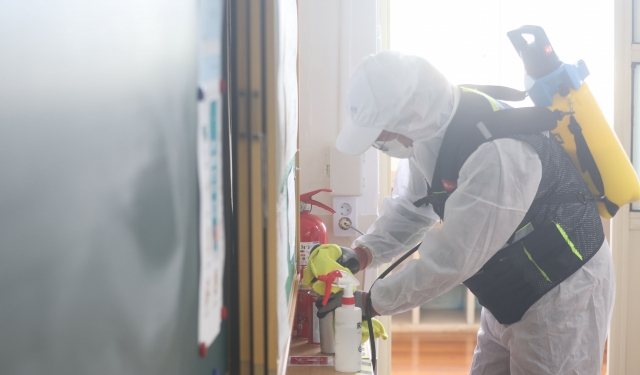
point(434, 353)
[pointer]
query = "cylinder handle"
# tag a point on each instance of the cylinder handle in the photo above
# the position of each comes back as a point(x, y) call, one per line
point(307, 198)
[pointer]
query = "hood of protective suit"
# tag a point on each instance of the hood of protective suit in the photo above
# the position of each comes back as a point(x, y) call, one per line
point(398, 93)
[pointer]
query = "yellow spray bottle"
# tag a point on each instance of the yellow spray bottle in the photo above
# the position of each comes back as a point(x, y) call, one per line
point(585, 135)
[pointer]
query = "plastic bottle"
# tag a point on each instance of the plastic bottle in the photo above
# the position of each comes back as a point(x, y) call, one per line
point(348, 324)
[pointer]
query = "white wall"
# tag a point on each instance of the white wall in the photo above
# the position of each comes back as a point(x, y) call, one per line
point(334, 36)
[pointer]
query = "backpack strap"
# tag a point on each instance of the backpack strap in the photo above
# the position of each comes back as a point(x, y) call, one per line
point(477, 121)
point(588, 164)
point(506, 124)
point(500, 92)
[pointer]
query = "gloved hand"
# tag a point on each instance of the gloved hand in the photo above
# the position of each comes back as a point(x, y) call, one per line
point(378, 330)
point(327, 258)
point(323, 260)
point(349, 259)
point(334, 302)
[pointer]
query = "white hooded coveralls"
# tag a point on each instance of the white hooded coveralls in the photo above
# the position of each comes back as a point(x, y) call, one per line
point(562, 333)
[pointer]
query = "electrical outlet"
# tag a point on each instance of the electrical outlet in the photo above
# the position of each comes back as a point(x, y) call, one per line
point(346, 216)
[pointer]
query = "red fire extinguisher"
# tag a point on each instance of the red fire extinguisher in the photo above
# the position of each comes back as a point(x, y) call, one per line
point(312, 232)
point(312, 228)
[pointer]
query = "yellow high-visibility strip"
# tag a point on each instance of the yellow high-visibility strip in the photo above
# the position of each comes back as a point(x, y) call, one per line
point(523, 228)
point(566, 238)
point(492, 101)
point(534, 263)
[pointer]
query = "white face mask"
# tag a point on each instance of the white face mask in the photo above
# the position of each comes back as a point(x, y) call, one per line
point(395, 149)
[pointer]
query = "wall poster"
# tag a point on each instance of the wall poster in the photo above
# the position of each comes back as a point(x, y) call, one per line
point(209, 147)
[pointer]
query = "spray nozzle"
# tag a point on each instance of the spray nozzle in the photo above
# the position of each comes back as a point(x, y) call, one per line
point(538, 56)
point(328, 282)
point(342, 279)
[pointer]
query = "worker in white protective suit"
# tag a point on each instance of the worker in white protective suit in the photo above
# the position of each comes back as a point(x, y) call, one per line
point(403, 106)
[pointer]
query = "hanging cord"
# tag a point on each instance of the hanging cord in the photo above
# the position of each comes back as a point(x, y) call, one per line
point(374, 361)
point(354, 228)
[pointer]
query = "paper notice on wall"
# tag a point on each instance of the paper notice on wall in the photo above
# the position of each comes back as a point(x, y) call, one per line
point(211, 217)
point(209, 147)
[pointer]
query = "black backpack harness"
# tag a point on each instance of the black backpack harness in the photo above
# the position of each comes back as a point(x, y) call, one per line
point(537, 257)
point(480, 122)
point(534, 260)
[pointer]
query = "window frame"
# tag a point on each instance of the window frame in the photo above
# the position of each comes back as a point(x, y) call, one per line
point(634, 65)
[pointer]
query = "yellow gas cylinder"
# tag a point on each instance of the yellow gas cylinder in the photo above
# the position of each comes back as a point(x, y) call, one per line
point(621, 185)
point(585, 134)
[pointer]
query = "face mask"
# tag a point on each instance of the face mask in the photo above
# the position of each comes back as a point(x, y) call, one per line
point(395, 149)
